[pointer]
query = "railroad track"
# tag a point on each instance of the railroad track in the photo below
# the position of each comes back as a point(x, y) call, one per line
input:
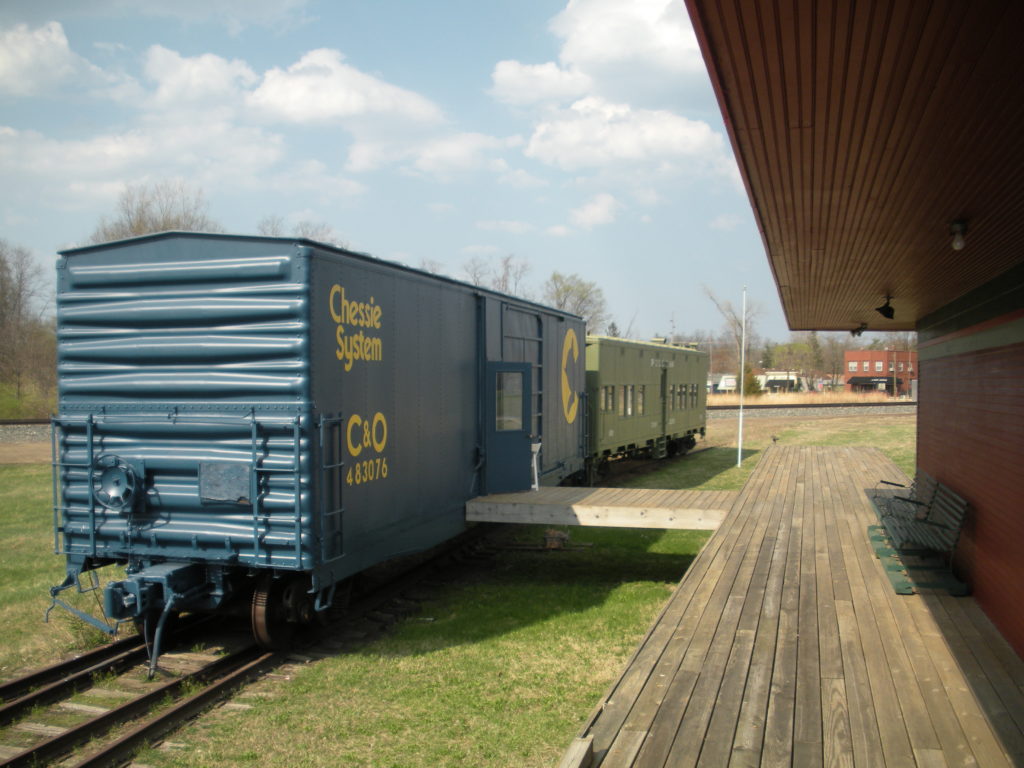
point(795, 406)
point(747, 406)
point(101, 699)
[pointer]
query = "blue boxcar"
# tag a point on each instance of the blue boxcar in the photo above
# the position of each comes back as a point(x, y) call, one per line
point(251, 418)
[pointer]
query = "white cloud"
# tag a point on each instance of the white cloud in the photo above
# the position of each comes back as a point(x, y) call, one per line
point(234, 15)
point(512, 227)
point(205, 79)
point(601, 35)
point(725, 222)
point(600, 209)
point(521, 84)
point(481, 250)
point(320, 87)
point(313, 176)
point(437, 155)
point(34, 61)
point(594, 133)
point(460, 152)
point(522, 180)
point(647, 196)
point(558, 231)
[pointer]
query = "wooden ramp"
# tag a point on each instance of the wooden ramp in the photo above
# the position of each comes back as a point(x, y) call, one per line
point(784, 644)
point(610, 507)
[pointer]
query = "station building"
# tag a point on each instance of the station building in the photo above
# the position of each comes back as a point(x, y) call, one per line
point(881, 145)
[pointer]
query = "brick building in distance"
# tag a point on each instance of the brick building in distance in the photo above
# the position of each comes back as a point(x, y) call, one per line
point(880, 370)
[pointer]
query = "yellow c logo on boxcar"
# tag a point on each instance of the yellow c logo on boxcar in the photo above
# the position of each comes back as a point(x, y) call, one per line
point(570, 400)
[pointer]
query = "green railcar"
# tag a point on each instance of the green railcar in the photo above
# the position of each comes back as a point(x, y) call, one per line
point(645, 399)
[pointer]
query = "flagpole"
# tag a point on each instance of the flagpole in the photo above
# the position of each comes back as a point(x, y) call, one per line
point(742, 376)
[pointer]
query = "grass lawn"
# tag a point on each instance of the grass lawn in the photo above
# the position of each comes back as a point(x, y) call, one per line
point(714, 468)
point(499, 669)
point(28, 568)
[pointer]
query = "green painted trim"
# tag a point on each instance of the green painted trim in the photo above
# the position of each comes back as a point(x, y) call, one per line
point(995, 298)
point(1000, 336)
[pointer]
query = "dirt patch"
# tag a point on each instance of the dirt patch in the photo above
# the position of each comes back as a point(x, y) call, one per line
point(25, 453)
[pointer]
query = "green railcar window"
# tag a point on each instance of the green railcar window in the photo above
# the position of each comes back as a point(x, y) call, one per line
point(629, 399)
point(641, 395)
point(622, 399)
point(671, 397)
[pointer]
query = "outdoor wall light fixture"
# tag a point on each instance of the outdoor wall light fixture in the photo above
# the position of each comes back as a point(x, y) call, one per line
point(886, 309)
point(859, 329)
point(958, 228)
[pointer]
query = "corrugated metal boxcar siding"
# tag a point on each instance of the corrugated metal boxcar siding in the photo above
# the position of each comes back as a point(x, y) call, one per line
point(173, 352)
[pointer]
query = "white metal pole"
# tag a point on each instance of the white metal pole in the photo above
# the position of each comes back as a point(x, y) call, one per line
point(743, 361)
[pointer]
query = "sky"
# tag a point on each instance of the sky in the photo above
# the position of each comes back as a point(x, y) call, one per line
point(582, 137)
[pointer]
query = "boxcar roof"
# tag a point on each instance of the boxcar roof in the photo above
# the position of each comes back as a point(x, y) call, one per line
point(302, 241)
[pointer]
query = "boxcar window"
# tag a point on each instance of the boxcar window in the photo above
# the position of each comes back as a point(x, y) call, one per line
point(693, 395)
point(681, 397)
point(622, 399)
point(640, 397)
point(509, 402)
point(629, 400)
point(671, 397)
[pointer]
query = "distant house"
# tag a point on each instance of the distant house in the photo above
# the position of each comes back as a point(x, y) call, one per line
point(725, 384)
point(880, 370)
point(784, 381)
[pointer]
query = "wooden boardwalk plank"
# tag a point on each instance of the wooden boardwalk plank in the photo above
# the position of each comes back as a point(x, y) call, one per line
point(784, 644)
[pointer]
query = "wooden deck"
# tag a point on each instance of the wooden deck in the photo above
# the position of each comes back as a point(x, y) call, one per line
point(610, 507)
point(785, 644)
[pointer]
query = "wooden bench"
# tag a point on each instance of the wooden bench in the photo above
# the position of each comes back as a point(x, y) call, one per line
point(928, 516)
point(924, 519)
point(897, 508)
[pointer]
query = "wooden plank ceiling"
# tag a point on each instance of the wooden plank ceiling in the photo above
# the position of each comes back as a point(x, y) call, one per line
point(862, 130)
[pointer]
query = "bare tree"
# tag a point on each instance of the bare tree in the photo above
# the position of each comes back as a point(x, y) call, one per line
point(581, 297)
point(507, 276)
point(157, 207)
point(432, 266)
point(271, 225)
point(734, 320)
point(510, 275)
point(26, 340)
point(477, 272)
point(319, 231)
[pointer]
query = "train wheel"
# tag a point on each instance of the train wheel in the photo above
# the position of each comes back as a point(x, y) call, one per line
point(270, 625)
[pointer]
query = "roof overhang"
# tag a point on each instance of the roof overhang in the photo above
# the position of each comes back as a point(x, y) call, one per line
point(862, 131)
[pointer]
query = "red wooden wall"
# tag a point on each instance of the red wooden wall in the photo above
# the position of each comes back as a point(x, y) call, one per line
point(971, 437)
